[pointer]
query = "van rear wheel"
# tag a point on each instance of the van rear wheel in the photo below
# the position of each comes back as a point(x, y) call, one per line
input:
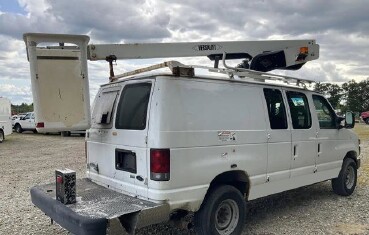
point(223, 212)
point(345, 183)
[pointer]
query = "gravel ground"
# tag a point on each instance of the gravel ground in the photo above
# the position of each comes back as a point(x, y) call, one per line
point(29, 159)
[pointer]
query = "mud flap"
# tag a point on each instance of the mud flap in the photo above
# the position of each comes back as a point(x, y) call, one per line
point(99, 210)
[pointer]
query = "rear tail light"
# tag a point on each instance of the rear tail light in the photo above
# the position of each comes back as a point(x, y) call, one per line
point(160, 164)
point(40, 125)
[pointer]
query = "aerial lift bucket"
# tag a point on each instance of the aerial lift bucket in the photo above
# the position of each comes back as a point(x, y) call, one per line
point(59, 81)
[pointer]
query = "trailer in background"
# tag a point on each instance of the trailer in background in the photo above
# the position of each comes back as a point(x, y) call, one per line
point(5, 118)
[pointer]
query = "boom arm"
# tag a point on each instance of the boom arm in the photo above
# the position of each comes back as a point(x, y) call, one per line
point(283, 54)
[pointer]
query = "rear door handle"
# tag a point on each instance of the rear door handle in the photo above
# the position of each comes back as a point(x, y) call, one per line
point(294, 150)
point(318, 149)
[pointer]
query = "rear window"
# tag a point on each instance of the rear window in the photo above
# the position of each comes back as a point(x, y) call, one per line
point(132, 107)
point(104, 108)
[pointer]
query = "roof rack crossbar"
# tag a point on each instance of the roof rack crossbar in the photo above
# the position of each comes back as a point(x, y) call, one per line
point(179, 69)
point(246, 74)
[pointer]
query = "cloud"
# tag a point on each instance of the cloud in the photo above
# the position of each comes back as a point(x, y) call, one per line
point(13, 59)
point(16, 94)
point(111, 21)
point(341, 27)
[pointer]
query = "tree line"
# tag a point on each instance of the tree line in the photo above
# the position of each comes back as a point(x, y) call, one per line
point(350, 96)
point(22, 108)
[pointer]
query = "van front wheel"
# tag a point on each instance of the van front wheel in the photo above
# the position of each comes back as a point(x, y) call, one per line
point(345, 183)
point(223, 212)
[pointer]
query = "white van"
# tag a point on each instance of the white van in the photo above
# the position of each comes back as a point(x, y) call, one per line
point(5, 118)
point(203, 144)
point(207, 145)
point(163, 144)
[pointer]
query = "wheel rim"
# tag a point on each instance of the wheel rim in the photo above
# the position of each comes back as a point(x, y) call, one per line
point(350, 177)
point(226, 217)
point(1, 136)
point(17, 129)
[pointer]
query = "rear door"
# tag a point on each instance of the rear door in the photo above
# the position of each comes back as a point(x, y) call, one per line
point(303, 134)
point(117, 139)
point(279, 136)
point(100, 162)
point(131, 126)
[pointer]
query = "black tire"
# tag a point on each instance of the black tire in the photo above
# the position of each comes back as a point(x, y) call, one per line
point(345, 183)
point(65, 133)
point(18, 128)
point(209, 219)
point(35, 131)
point(2, 136)
point(366, 121)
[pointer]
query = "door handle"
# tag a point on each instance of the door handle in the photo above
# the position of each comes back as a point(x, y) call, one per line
point(294, 151)
point(318, 149)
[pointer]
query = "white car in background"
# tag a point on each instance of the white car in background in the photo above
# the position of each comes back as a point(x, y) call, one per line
point(5, 118)
point(26, 123)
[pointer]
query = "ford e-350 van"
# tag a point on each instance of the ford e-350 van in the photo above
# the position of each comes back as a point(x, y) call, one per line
point(163, 145)
point(204, 144)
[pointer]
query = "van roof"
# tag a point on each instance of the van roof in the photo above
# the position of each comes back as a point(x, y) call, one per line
point(207, 77)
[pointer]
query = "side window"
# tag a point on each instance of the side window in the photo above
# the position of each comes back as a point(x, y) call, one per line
point(299, 107)
point(28, 116)
point(276, 109)
point(132, 108)
point(104, 108)
point(325, 113)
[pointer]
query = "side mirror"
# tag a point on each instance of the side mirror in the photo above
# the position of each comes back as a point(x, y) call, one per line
point(349, 120)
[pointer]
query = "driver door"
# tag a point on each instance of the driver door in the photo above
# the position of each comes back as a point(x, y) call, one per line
point(327, 135)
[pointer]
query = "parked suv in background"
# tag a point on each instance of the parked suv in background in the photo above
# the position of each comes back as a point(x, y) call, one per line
point(365, 116)
point(26, 123)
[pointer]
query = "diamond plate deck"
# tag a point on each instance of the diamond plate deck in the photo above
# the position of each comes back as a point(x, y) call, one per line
point(96, 201)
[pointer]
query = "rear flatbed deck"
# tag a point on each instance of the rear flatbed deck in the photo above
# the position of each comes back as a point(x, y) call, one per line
point(98, 210)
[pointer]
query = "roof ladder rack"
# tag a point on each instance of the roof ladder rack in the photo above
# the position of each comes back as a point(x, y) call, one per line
point(179, 69)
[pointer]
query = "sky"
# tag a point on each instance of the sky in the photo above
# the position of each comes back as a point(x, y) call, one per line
point(341, 27)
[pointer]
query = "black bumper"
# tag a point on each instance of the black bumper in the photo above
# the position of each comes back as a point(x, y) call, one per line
point(98, 210)
point(66, 217)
